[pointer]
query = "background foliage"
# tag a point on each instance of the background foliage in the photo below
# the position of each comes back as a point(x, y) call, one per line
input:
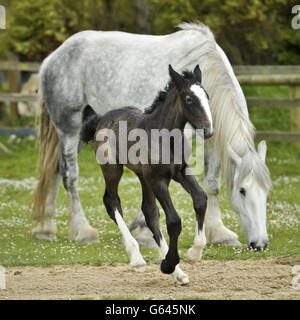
point(250, 31)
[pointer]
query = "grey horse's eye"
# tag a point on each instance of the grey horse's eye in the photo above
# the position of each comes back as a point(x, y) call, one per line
point(242, 192)
point(188, 100)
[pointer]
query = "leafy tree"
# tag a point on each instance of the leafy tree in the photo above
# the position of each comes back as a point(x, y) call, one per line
point(249, 31)
point(35, 28)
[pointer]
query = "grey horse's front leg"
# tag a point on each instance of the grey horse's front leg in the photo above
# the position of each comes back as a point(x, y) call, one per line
point(215, 230)
point(141, 232)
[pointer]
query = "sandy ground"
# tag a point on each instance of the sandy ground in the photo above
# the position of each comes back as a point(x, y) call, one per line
point(251, 279)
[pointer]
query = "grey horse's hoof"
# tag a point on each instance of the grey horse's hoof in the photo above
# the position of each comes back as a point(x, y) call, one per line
point(45, 236)
point(232, 243)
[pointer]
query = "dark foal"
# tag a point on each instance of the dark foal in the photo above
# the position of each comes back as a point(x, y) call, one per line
point(183, 100)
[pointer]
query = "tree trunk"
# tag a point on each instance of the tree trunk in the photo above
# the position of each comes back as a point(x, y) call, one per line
point(142, 16)
point(110, 21)
point(14, 81)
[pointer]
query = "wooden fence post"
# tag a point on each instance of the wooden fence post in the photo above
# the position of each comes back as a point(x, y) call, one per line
point(295, 112)
point(14, 82)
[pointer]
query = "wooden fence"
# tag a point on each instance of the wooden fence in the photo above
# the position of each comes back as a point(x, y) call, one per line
point(247, 75)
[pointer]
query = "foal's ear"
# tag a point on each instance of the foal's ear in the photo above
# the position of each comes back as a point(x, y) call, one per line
point(176, 77)
point(198, 73)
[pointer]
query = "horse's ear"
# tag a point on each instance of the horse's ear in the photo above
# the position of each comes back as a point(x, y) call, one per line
point(176, 77)
point(198, 73)
point(262, 150)
point(234, 156)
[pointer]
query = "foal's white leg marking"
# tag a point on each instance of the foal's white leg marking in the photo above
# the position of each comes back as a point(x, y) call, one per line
point(47, 229)
point(131, 245)
point(178, 275)
point(200, 93)
point(194, 254)
point(163, 248)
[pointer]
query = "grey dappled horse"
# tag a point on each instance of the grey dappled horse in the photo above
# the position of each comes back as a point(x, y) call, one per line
point(101, 71)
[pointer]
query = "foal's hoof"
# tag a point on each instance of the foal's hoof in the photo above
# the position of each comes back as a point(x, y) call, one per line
point(232, 243)
point(180, 277)
point(139, 266)
point(194, 255)
point(182, 280)
point(166, 267)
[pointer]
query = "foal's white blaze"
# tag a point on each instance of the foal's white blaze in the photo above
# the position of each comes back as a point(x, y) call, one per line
point(201, 95)
point(131, 245)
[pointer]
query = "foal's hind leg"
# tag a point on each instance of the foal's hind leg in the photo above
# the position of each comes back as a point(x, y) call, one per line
point(112, 175)
point(79, 228)
point(47, 229)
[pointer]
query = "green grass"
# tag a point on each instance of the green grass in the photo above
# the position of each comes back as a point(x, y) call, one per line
point(17, 247)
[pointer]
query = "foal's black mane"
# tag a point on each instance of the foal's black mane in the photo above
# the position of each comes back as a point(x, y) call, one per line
point(162, 95)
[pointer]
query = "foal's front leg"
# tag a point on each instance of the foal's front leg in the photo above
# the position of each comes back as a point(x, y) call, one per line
point(170, 263)
point(199, 198)
point(151, 213)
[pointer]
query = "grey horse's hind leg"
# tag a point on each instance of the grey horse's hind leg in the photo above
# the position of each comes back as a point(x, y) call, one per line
point(79, 228)
point(47, 228)
point(215, 230)
point(141, 232)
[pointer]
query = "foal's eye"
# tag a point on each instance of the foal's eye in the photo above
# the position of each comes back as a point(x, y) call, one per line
point(242, 192)
point(188, 100)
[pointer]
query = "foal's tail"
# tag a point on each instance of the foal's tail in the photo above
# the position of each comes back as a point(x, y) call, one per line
point(89, 127)
point(48, 161)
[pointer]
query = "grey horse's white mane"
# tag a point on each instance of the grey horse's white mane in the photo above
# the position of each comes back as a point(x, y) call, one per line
point(229, 110)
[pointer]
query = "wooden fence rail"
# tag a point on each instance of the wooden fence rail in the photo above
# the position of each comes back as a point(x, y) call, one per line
point(246, 75)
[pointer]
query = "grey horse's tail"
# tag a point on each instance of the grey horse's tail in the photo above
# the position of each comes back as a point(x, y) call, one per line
point(48, 162)
point(89, 127)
